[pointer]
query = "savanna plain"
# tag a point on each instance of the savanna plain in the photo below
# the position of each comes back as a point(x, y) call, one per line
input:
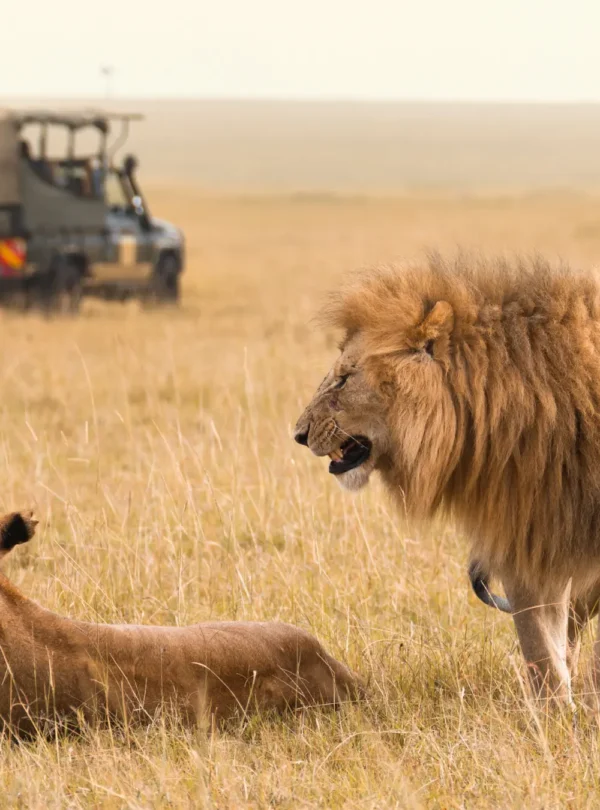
point(156, 448)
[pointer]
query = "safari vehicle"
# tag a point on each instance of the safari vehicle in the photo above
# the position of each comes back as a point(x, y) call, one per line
point(78, 224)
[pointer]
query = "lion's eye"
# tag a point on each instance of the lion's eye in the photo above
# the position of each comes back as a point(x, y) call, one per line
point(341, 382)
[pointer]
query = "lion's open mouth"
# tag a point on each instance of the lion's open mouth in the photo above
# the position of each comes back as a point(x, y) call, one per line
point(351, 454)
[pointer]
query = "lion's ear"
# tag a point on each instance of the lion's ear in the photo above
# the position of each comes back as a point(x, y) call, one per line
point(436, 324)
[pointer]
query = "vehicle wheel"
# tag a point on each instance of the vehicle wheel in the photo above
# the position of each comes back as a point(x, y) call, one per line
point(164, 288)
point(63, 287)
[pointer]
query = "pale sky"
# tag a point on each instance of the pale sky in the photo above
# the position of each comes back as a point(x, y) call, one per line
point(540, 50)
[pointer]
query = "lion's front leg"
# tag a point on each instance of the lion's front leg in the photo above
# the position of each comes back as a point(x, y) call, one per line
point(578, 619)
point(583, 609)
point(596, 667)
point(542, 626)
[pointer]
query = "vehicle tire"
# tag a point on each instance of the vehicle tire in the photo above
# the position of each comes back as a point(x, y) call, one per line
point(164, 285)
point(62, 288)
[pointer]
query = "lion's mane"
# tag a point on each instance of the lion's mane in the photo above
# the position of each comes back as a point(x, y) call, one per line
point(502, 429)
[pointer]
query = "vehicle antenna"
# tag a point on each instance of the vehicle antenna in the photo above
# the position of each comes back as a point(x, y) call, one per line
point(108, 72)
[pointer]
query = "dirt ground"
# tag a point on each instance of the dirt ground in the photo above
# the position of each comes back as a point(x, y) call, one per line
point(156, 447)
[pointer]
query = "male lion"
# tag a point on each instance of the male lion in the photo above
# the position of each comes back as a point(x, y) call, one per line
point(473, 387)
point(52, 667)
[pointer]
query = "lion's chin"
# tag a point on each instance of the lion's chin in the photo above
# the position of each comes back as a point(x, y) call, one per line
point(355, 479)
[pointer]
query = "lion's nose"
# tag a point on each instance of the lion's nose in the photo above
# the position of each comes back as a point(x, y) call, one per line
point(302, 437)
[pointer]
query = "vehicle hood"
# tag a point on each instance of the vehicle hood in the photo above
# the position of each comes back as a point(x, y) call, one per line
point(168, 234)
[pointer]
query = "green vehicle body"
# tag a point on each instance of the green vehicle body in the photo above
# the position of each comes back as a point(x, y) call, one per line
point(80, 221)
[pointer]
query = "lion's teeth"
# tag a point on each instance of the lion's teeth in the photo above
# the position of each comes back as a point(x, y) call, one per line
point(336, 455)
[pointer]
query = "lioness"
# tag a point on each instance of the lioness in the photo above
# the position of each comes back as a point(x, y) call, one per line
point(473, 388)
point(53, 667)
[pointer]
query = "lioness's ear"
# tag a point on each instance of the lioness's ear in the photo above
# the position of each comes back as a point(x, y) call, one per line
point(438, 323)
point(16, 528)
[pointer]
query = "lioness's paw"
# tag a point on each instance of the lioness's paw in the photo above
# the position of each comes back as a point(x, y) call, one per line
point(16, 528)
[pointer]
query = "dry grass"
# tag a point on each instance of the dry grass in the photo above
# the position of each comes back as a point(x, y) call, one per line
point(157, 449)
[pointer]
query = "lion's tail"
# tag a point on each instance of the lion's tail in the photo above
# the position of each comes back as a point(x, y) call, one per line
point(479, 582)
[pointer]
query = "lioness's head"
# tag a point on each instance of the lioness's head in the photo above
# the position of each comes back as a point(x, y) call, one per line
point(385, 404)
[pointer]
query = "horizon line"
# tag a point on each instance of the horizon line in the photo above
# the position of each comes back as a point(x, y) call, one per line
point(259, 99)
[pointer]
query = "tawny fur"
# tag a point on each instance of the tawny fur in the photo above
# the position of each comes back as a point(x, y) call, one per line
point(473, 388)
point(53, 667)
point(501, 426)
